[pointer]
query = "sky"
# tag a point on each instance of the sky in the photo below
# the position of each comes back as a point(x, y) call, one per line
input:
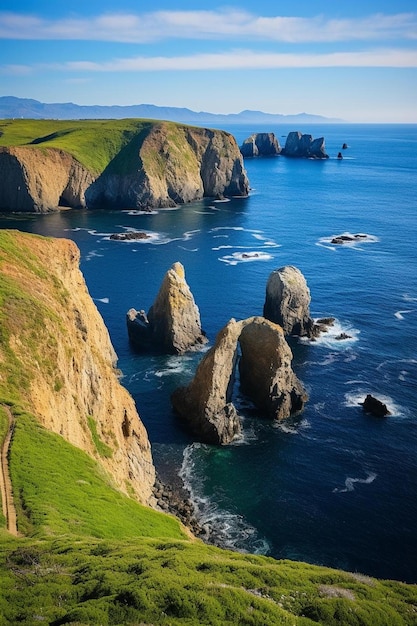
point(353, 60)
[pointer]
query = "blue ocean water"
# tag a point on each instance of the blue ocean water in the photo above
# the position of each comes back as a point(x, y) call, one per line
point(334, 486)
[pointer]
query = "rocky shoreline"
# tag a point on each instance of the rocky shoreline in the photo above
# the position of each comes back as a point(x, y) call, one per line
point(176, 500)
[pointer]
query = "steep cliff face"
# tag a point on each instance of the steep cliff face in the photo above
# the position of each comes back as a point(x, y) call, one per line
point(174, 165)
point(64, 360)
point(157, 164)
point(38, 180)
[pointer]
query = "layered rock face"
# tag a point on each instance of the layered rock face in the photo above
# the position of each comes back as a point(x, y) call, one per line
point(205, 404)
point(36, 180)
point(164, 165)
point(287, 301)
point(304, 146)
point(260, 144)
point(74, 390)
point(173, 321)
point(266, 377)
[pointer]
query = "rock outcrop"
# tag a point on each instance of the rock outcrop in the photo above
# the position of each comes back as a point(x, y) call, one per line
point(287, 301)
point(61, 348)
point(173, 322)
point(205, 404)
point(266, 377)
point(298, 145)
point(162, 165)
point(260, 144)
point(375, 406)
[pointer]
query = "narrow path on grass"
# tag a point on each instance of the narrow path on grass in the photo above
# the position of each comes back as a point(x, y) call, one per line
point(9, 510)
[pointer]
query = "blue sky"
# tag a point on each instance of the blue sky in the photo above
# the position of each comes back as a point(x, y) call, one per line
point(352, 60)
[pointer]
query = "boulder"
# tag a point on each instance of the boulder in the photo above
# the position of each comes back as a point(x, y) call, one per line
point(287, 301)
point(173, 321)
point(266, 375)
point(260, 144)
point(375, 407)
point(205, 404)
point(304, 146)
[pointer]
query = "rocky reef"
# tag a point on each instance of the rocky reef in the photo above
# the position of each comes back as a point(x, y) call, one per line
point(260, 144)
point(148, 165)
point(173, 323)
point(266, 377)
point(300, 145)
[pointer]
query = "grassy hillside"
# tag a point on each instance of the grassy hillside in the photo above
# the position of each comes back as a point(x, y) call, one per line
point(94, 143)
point(88, 554)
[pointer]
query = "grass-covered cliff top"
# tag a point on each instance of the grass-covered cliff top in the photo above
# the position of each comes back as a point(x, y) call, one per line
point(88, 554)
point(94, 143)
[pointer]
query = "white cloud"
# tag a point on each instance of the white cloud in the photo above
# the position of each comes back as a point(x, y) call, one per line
point(213, 25)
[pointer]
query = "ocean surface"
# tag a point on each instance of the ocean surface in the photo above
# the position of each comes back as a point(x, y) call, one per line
point(334, 486)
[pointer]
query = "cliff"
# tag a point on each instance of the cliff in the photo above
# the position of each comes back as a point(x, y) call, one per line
point(58, 363)
point(45, 164)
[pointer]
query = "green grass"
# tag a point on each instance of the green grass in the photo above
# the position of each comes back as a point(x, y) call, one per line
point(94, 143)
point(103, 449)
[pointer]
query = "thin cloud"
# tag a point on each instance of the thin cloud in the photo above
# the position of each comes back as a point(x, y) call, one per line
point(234, 60)
point(208, 25)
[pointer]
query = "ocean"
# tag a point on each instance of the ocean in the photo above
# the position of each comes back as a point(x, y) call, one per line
point(333, 486)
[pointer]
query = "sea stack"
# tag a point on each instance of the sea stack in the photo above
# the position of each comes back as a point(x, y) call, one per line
point(287, 301)
point(260, 144)
point(304, 146)
point(173, 322)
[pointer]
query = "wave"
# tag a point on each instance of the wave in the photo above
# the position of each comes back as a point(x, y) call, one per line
point(291, 428)
point(139, 212)
point(104, 300)
point(400, 314)
point(221, 527)
point(93, 254)
point(350, 482)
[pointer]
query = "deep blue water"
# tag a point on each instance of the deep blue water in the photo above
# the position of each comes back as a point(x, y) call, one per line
point(335, 486)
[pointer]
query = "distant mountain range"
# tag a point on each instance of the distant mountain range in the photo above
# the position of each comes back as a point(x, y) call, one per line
point(12, 107)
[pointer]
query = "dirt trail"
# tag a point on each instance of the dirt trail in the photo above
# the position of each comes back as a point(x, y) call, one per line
point(9, 510)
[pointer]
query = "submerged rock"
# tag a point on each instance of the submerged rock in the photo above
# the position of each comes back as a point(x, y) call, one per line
point(173, 321)
point(260, 144)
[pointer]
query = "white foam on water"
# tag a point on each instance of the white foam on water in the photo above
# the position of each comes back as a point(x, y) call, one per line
point(409, 298)
point(222, 200)
point(245, 257)
point(222, 527)
point(175, 365)
point(92, 255)
point(357, 240)
point(104, 300)
point(350, 483)
point(291, 428)
point(139, 212)
point(400, 314)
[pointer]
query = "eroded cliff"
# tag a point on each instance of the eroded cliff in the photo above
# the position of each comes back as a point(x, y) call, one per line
point(58, 362)
point(139, 164)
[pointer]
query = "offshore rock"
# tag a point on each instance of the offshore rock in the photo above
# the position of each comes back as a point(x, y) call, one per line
point(287, 301)
point(375, 406)
point(173, 321)
point(304, 146)
point(260, 144)
point(205, 404)
point(266, 375)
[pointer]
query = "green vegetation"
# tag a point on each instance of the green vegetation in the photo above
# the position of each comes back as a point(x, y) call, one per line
point(90, 555)
point(102, 448)
point(94, 143)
